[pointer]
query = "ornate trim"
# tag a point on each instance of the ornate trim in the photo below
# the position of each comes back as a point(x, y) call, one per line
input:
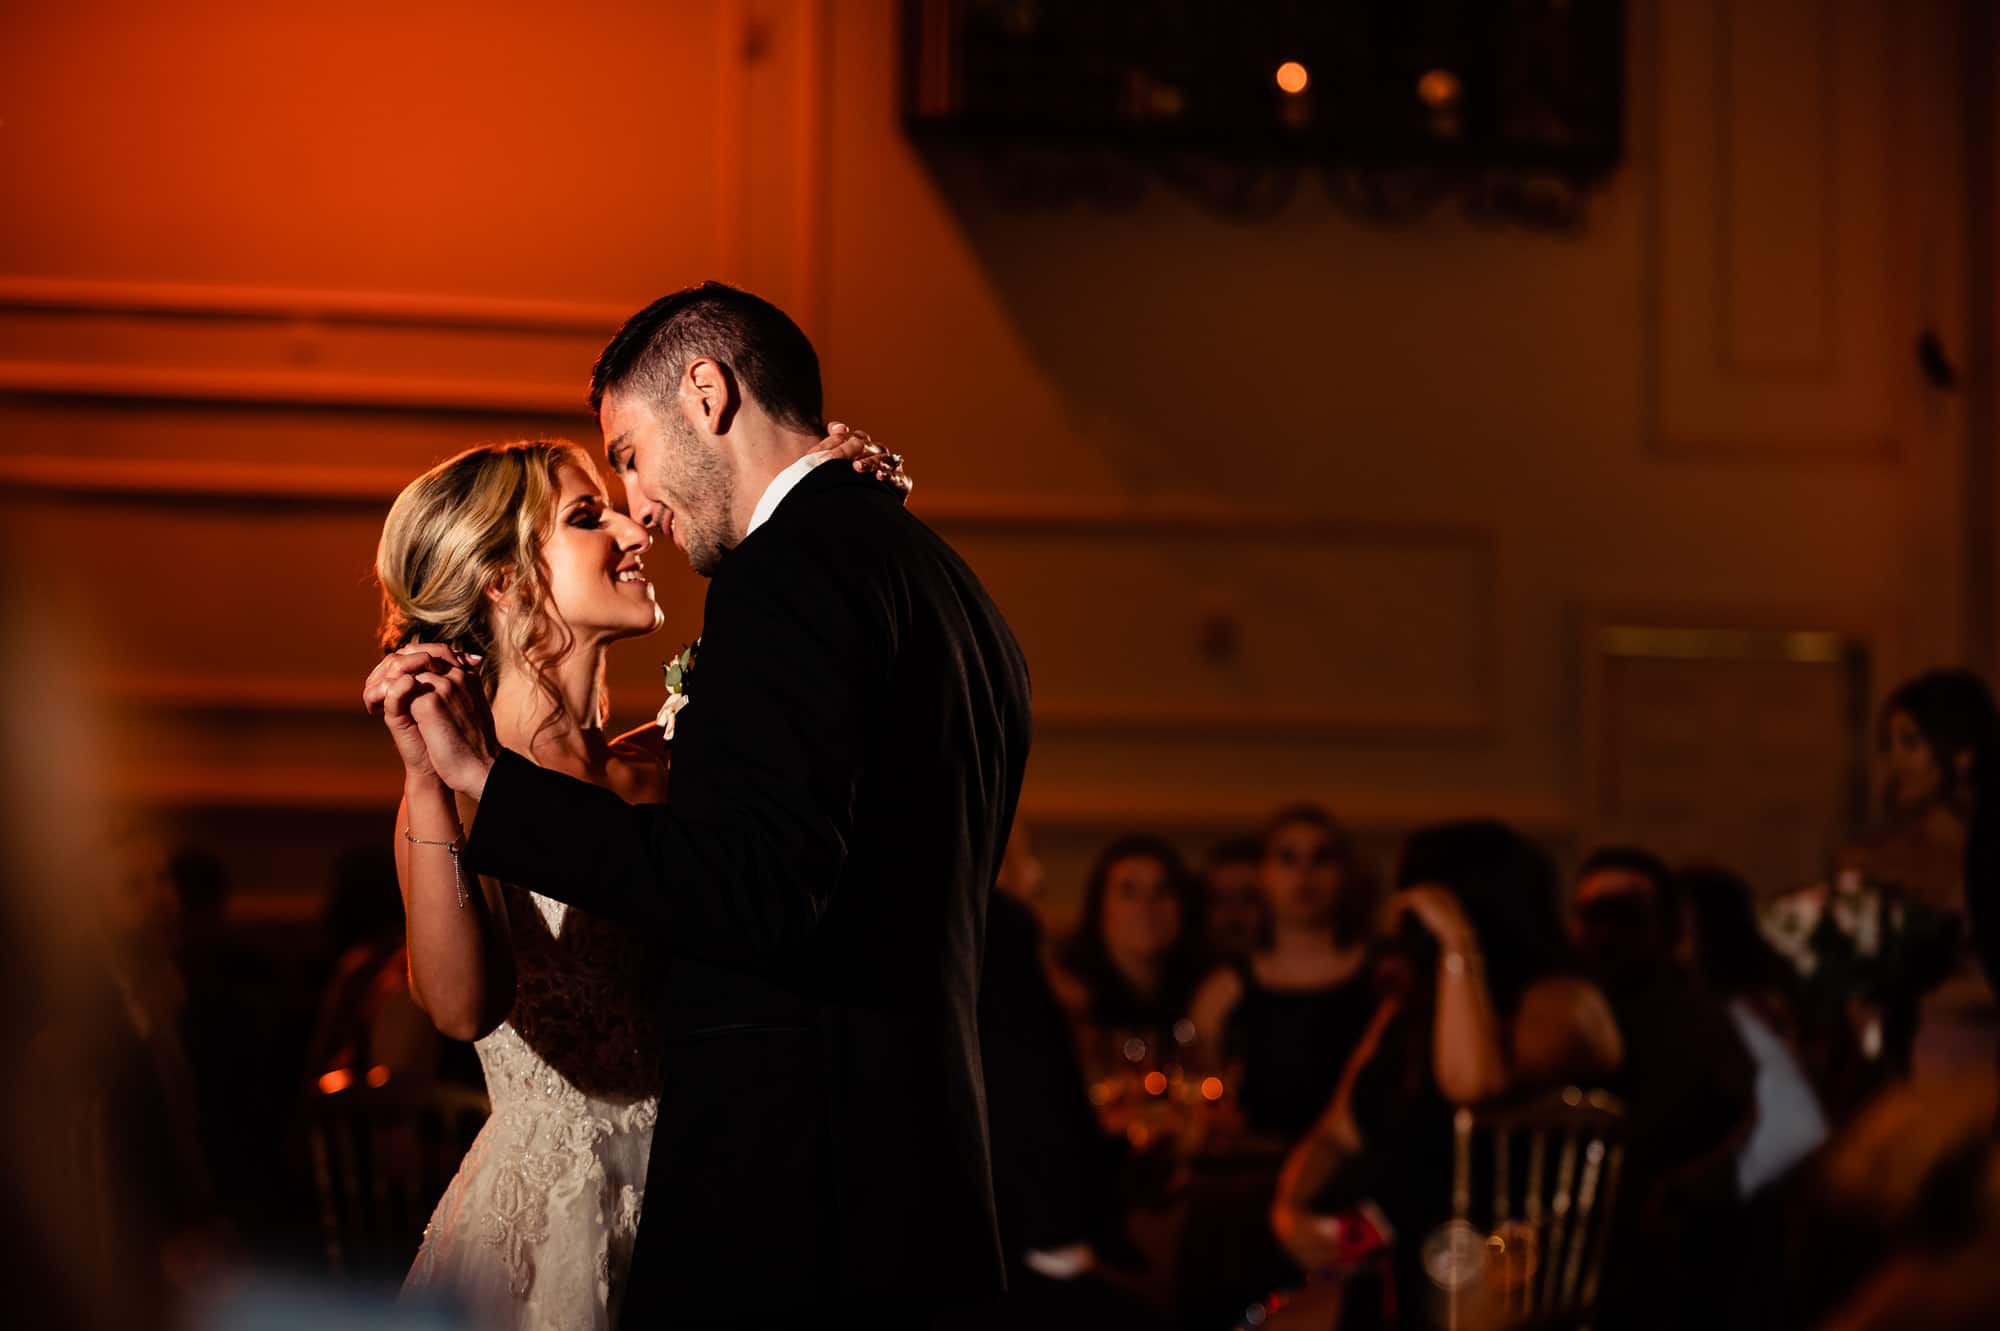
point(198, 480)
point(201, 481)
point(297, 305)
point(326, 697)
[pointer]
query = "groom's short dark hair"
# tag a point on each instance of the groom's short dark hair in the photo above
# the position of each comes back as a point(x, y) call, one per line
point(772, 359)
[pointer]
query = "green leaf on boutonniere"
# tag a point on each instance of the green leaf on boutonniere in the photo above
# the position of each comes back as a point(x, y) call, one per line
point(680, 670)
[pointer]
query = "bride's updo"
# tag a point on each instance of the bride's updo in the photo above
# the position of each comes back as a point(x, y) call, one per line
point(459, 529)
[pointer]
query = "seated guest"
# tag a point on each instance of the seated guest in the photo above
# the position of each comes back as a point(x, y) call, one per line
point(1909, 1214)
point(1279, 1023)
point(1784, 1033)
point(1135, 958)
point(1054, 1173)
point(229, 1023)
point(367, 1019)
point(1486, 1001)
point(1285, 1018)
point(1887, 938)
point(116, 1093)
point(1689, 1086)
point(1728, 952)
point(1237, 919)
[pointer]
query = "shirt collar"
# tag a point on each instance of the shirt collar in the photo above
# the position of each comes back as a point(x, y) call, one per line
point(781, 485)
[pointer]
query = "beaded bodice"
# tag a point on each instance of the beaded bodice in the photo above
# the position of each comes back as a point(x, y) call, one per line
point(583, 1033)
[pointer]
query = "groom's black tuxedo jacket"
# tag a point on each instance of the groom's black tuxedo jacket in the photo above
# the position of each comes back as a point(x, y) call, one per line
point(844, 778)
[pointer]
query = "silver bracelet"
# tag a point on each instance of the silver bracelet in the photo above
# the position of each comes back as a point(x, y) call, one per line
point(455, 845)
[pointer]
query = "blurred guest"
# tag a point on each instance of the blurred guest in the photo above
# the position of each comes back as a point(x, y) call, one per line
point(229, 1024)
point(1236, 919)
point(1785, 1037)
point(1285, 1018)
point(1279, 1022)
point(141, 917)
point(1023, 877)
point(1724, 944)
point(1485, 1000)
point(1887, 935)
point(1053, 1171)
point(1737, 965)
point(1936, 734)
point(1135, 959)
point(367, 1019)
point(1914, 1184)
point(76, 1221)
point(122, 1111)
point(1689, 1086)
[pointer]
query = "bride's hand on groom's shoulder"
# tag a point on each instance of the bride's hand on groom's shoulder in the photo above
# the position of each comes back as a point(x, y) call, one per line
point(434, 707)
point(855, 447)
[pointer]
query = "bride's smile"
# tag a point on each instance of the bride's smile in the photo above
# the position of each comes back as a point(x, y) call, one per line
point(597, 579)
point(630, 576)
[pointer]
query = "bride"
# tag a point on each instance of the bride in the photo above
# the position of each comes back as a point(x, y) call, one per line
point(513, 555)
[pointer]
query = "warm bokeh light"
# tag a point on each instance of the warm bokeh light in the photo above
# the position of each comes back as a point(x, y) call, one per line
point(1211, 1088)
point(1292, 77)
point(1439, 89)
point(336, 1081)
point(378, 1076)
point(1156, 1083)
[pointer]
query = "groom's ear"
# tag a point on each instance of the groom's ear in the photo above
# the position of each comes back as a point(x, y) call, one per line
point(709, 395)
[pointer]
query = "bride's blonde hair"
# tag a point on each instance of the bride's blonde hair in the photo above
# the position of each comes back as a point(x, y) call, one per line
point(469, 524)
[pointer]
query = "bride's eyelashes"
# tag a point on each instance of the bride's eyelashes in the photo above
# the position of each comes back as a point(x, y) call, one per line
point(588, 513)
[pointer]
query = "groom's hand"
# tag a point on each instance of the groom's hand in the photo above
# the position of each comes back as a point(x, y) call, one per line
point(449, 709)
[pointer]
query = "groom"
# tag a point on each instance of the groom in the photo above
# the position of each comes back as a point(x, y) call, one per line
point(844, 777)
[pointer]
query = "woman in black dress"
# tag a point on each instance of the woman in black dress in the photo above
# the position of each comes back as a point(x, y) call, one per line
point(1284, 1019)
point(1490, 1003)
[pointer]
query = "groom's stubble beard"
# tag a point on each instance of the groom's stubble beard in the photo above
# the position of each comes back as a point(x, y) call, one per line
point(703, 478)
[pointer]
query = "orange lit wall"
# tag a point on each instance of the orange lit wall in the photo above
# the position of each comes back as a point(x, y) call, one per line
point(1301, 507)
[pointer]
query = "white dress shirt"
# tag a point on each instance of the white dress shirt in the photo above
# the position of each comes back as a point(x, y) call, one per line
point(1789, 1124)
point(781, 485)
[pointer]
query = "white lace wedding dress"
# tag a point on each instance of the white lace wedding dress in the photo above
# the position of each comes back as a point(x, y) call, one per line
point(536, 1230)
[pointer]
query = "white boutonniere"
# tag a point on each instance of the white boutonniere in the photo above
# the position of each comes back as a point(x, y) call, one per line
point(678, 673)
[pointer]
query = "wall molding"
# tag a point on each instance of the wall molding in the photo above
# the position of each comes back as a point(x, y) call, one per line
point(766, 52)
point(307, 305)
point(194, 696)
point(1724, 644)
point(319, 786)
point(1824, 366)
point(1459, 717)
point(367, 490)
point(311, 348)
point(200, 481)
point(1050, 808)
point(1716, 437)
point(290, 388)
point(203, 480)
